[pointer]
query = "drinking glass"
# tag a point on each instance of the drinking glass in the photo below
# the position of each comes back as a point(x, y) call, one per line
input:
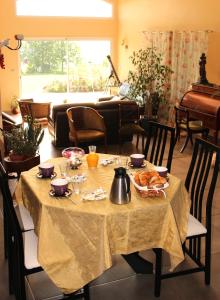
point(77, 183)
point(64, 167)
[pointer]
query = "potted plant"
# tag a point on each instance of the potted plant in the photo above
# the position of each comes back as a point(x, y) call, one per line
point(23, 142)
point(149, 80)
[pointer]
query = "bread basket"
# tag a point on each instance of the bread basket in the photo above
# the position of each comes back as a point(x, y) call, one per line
point(152, 191)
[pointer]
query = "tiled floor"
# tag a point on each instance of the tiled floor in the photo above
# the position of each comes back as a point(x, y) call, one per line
point(121, 282)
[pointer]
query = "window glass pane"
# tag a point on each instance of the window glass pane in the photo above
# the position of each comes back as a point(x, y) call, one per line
point(73, 8)
point(59, 70)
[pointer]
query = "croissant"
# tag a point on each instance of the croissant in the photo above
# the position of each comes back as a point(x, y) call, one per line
point(150, 179)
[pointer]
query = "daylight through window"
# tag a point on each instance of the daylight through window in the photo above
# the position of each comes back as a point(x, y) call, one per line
point(65, 8)
point(64, 69)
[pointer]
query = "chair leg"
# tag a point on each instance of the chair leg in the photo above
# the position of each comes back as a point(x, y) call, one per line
point(137, 141)
point(208, 260)
point(205, 133)
point(106, 149)
point(185, 143)
point(6, 237)
point(177, 135)
point(158, 266)
point(191, 139)
point(86, 292)
point(142, 143)
point(119, 144)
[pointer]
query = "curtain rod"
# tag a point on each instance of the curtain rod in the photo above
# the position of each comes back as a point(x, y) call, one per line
point(176, 31)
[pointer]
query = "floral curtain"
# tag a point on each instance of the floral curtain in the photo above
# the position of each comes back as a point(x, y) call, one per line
point(181, 50)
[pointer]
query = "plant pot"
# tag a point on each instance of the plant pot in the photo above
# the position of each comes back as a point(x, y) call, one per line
point(16, 157)
point(15, 110)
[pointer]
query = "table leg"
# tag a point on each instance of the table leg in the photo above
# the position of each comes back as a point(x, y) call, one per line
point(138, 263)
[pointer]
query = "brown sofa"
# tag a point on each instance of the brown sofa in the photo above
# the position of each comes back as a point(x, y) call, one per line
point(59, 128)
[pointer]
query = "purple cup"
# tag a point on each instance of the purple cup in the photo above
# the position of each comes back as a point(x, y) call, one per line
point(59, 186)
point(46, 169)
point(137, 160)
point(162, 171)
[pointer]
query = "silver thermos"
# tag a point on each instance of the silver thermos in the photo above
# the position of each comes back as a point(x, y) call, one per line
point(120, 189)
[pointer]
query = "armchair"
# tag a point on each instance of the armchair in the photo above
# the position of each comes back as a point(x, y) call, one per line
point(85, 125)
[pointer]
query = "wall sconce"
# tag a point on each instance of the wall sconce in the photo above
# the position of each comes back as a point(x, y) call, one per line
point(124, 43)
point(5, 43)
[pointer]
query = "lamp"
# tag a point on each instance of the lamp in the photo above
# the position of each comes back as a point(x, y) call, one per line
point(5, 43)
point(18, 37)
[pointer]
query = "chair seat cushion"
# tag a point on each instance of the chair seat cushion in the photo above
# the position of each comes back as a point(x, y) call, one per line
point(24, 218)
point(193, 125)
point(195, 227)
point(131, 128)
point(88, 135)
point(30, 241)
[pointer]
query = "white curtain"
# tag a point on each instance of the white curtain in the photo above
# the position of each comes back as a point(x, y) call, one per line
point(181, 51)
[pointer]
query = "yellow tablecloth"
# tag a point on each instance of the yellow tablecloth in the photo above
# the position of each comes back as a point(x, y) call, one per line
point(76, 242)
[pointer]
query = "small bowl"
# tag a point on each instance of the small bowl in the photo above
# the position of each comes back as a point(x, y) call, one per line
point(73, 151)
point(46, 169)
point(162, 171)
point(60, 186)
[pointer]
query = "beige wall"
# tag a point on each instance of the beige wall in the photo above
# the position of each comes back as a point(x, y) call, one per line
point(45, 27)
point(136, 16)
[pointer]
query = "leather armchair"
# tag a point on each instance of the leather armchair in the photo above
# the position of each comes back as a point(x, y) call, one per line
point(85, 125)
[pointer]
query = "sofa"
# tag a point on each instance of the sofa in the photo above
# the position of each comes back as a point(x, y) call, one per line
point(58, 123)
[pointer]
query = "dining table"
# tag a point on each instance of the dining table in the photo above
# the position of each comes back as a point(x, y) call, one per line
point(78, 238)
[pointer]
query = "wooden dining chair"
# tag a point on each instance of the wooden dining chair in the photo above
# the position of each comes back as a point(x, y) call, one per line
point(160, 137)
point(40, 112)
point(86, 125)
point(129, 117)
point(22, 247)
point(200, 183)
point(190, 126)
point(23, 215)
point(24, 106)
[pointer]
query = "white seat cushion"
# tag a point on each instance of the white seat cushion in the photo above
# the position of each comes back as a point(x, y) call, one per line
point(195, 227)
point(30, 241)
point(24, 218)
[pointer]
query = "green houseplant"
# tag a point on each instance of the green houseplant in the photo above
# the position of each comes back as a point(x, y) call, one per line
point(149, 78)
point(23, 142)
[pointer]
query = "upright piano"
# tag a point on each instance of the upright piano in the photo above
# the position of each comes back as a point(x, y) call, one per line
point(203, 103)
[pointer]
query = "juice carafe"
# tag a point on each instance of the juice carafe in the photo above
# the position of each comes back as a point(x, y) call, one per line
point(92, 158)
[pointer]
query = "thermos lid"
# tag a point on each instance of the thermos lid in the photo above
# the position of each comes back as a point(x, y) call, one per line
point(120, 172)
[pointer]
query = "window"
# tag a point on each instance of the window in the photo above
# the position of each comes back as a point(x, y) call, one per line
point(60, 69)
point(66, 8)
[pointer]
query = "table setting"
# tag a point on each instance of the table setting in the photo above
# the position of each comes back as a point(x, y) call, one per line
point(81, 215)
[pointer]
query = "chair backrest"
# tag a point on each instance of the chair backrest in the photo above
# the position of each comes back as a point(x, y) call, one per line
point(128, 113)
point(6, 194)
point(15, 240)
point(40, 110)
point(202, 177)
point(24, 106)
point(83, 117)
point(158, 136)
point(182, 117)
